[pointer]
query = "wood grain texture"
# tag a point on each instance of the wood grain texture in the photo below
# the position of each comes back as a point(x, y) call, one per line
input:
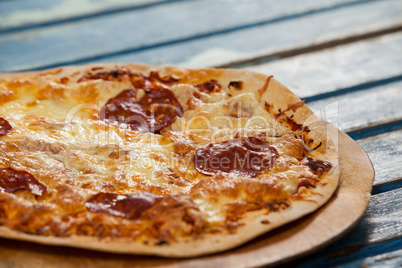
point(362, 109)
point(302, 236)
point(338, 68)
point(215, 39)
point(385, 152)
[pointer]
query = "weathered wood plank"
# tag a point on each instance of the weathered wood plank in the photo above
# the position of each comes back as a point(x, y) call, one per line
point(267, 40)
point(385, 152)
point(389, 259)
point(380, 223)
point(364, 108)
point(212, 37)
point(341, 67)
point(20, 13)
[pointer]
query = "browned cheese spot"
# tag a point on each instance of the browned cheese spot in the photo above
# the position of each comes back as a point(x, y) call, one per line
point(318, 166)
point(210, 86)
point(238, 85)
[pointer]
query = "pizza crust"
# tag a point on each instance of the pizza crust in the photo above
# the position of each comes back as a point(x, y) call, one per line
point(255, 223)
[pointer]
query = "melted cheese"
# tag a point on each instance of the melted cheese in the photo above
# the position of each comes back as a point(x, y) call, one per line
point(59, 139)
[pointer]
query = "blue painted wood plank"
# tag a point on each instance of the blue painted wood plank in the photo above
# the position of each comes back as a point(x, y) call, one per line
point(219, 30)
point(378, 232)
point(385, 152)
point(18, 14)
point(266, 40)
point(342, 67)
point(362, 109)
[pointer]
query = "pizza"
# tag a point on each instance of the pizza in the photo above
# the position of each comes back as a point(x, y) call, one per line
point(157, 160)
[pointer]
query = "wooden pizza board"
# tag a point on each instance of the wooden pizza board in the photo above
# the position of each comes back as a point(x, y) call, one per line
point(301, 237)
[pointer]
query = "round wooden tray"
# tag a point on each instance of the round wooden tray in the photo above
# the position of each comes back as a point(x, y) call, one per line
point(298, 238)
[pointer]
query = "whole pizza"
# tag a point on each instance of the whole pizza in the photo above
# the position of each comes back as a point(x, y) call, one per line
point(161, 161)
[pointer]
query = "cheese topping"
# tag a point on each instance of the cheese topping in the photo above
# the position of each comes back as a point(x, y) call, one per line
point(118, 146)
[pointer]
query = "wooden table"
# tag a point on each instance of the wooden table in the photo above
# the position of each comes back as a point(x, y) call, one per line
point(343, 57)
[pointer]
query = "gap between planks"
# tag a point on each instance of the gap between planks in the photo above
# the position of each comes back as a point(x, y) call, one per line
point(375, 129)
point(387, 186)
point(388, 259)
point(353, 254)
point(310, 48)
point(358, 87)
point(362, 109)
point(350, 67)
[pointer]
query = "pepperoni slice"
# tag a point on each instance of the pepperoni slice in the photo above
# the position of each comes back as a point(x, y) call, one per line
point(209, 86)
point(148, 110)
point(244, 157)
point(5, 127)
point(126, 206)
point(12, 180)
